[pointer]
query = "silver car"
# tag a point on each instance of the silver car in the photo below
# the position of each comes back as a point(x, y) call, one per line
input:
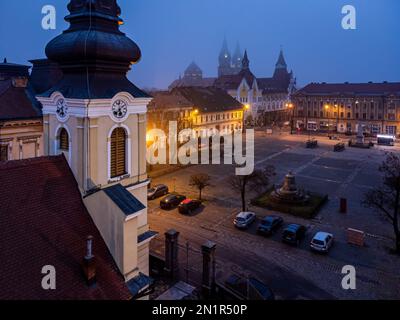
point(322, 242)
point(244, 219)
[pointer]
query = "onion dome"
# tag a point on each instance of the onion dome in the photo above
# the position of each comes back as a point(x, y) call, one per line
point(93, 38)
point(93, 54)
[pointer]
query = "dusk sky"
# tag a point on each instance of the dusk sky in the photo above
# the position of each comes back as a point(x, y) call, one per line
point(173, 33)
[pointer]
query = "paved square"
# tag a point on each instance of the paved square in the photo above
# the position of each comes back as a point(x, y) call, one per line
point(294, 273)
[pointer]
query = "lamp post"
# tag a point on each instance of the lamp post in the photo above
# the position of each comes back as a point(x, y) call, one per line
point(329, 122)
point(246, 109)
point(290, 106)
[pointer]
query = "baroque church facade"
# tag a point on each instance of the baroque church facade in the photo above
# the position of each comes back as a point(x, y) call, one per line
point(261, 96)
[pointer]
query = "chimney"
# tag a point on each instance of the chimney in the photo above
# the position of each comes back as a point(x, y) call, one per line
point(20, 82)
point(89, 263)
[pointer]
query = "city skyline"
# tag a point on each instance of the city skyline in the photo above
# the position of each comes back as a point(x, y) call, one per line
point(368, 53)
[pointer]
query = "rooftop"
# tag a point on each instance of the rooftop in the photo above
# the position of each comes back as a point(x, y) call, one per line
point(43, 221)
point(370, 88)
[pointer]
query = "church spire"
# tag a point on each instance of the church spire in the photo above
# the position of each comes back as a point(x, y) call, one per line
point(237, 59)
point(225, 55)
point(225, 60)
point(281, 64)
point(245, 61)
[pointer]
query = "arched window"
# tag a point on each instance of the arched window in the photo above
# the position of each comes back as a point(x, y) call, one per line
point(64, 140)
point(118, 153)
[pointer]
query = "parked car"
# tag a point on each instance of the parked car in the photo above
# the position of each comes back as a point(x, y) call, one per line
point(171, 201)
point(269, 225)
point(322, 242)
point(188, 206)
point(244, 219)
point(293, 234)
point(157, 191)
point(249, 289)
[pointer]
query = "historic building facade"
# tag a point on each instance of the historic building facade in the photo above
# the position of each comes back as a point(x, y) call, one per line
point(97, 118)
point(266, 98)
point(21, 125)
point(202, 109)
point(345, 106)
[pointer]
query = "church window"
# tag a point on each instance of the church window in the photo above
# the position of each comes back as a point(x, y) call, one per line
point(3, 152)
point(64, 140)
point(118, 153)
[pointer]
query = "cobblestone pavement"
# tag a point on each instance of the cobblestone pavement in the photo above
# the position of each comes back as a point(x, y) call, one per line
point(294, 273)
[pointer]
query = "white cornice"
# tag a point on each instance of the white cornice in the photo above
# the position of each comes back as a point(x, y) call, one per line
point(82, 108)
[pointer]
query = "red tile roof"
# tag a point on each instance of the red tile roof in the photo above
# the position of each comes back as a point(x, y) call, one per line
point(43, 221)
point(17, 103)
point(208, 99)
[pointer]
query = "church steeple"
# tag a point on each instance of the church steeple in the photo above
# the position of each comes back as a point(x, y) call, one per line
point(281, 73)
point(281, 63)
point(225, 56)
point(94, 45)
point(245, 61)
point(237, 59)
point(225, 60)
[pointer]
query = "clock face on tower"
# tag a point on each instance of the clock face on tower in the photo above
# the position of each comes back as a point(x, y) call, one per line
point(62, 109)
point(119, 109)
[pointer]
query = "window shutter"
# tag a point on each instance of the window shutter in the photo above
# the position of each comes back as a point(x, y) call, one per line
point(3, 152)
point(118, 153)
point(64, 140)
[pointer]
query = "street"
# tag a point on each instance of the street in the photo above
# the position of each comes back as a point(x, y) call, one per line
point(292, 273)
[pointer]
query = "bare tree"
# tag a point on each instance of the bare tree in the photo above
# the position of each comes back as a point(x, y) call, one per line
point(259, 179)
point(200, 181)
point(386, 198)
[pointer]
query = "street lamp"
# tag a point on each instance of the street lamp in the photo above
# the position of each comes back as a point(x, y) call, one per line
point(290, 106)
point(246, 108)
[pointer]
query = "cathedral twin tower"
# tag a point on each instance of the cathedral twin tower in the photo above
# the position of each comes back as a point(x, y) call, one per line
point(228, 64)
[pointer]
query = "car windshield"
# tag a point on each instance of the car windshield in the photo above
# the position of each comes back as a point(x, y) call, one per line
point(151, 190)
point(266, 222)
point(240, 219)
point(318, 242)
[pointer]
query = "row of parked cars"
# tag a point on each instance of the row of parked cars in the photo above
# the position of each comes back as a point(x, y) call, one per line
point(292, 233)
point(173, 200)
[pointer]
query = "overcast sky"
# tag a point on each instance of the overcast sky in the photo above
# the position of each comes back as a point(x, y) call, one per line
point(172, 33)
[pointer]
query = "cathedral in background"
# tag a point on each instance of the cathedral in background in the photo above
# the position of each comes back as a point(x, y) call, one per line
point(266, 99)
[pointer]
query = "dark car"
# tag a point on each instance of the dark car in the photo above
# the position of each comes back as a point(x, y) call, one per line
point(171, 201)
point(269, 225)
point(249, 289)
point(157, 191)
point(293, 234)
point(188, 206)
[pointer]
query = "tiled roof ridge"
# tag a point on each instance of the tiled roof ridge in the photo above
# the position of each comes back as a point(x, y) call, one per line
point(15, 164)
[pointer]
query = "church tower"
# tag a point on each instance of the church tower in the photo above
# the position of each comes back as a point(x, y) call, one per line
point(97, 118)
point(237, 60)
point(281, 72)
point(225, 61)
point(245, 61)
